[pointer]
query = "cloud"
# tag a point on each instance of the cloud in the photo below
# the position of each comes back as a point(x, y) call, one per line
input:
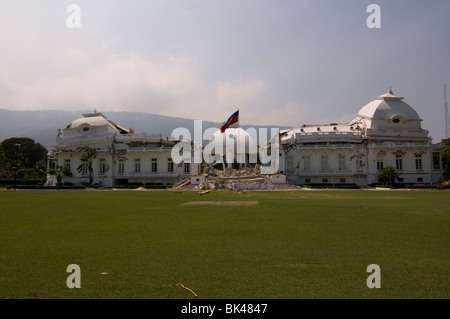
point(129, 83)
point(113, 84)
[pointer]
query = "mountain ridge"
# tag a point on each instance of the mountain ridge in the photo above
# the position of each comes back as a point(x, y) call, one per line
point(42, 125)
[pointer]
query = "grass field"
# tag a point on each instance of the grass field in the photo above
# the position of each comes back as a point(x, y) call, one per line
point(286, 244)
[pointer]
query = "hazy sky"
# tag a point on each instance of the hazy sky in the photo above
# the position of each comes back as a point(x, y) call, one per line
point(281, 62)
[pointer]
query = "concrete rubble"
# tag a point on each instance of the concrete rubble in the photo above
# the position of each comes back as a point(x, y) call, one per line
point(245, 178)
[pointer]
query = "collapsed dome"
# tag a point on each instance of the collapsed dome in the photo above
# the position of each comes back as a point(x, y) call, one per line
point(93, 123)
point(98, 120)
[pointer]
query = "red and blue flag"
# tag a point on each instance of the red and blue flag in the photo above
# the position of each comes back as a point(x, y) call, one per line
point(234, 118)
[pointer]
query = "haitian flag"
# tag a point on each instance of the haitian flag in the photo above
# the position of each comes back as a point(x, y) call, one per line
point(234, 118)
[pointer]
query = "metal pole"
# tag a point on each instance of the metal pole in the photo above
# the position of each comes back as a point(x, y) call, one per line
point(447, 116)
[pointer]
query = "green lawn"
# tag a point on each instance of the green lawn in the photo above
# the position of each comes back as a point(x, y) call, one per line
point(292, 244)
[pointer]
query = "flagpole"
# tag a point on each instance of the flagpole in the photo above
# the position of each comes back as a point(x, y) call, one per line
point(237, 145)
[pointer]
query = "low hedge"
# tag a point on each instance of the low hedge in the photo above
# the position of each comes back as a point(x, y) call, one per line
point(44, 187)
point(9, 181)
point(330, 185)
point(134, 186)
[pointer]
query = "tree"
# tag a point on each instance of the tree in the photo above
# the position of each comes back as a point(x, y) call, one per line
point(388, 176)
point(87, 158)
point(20, 153)
point(445, 156)
point(3, 163)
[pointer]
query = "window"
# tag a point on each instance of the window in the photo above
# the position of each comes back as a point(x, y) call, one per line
point(342, 180)
point(121, 166)
point(396, 120)
point(137, 165)
point(170, 165)
point(102, 167)
point(380, 162)
point(341, 162)
point(187, 168)
point(399, 162)
point(307, 180)
point(307, 163)
point(418, 162)
point(420, 179)
point(67, 166)
point(324, 162)
point(154, 165)
point(324, 180)
point(359, 163)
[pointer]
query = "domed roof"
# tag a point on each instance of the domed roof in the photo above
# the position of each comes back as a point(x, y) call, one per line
point(95, 119)
point(92, 119)
point(387, 106)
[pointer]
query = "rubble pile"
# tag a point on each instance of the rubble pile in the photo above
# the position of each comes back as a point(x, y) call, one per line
point(246, 178)
point(239, 179)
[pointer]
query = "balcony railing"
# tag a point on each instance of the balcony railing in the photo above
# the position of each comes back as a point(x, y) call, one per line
point(345, 172)
point(159, 149)
point(148, 174)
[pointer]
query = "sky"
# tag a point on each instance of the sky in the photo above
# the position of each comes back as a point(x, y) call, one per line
point(280, 62)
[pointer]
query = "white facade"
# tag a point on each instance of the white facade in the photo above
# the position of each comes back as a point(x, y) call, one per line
point(124, 156)
point(385, 132)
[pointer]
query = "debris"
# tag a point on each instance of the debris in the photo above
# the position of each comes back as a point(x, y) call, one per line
point(179, 284)
point(179, 185)
point(204, 192)
point(245, 178)
point(235, 179)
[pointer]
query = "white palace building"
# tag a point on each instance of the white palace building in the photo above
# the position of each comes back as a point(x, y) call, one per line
point(386, 132)
point(124, 156)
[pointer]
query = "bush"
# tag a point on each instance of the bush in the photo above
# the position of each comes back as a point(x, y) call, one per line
point(388, 176)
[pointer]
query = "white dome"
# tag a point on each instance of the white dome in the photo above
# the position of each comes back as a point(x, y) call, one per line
point(388, 106)
point(91, 121)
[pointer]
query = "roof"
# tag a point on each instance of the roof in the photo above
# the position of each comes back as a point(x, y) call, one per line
point(387, 106)
point(96, 119)
point(92, 121)
point(331, 132)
